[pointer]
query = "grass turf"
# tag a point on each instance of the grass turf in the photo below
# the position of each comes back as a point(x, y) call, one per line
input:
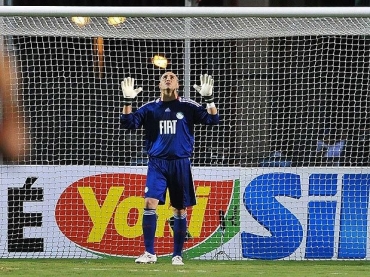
point(193, 268)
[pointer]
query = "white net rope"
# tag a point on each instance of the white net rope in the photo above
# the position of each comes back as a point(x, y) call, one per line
point(274, 78)
point(186, 28)
point(291, 92)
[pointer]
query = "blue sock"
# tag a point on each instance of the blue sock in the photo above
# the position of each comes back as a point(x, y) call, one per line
point(179, 233)
point(149, 228)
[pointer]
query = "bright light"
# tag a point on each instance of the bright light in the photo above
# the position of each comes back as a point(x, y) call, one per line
point(116, 20)
point(80, 20)
point(160, 61)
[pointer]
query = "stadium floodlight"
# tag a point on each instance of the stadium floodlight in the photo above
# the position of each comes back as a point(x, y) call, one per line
point(80, 20)
point(116, 20)
point(160, 61)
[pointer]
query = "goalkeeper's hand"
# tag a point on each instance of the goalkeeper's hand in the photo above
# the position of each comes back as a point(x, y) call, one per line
point(206, 87)
point(129, 93)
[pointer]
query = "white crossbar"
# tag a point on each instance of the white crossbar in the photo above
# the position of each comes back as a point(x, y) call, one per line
point(56, 11)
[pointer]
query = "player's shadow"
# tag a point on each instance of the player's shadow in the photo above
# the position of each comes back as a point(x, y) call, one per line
point(171, 222)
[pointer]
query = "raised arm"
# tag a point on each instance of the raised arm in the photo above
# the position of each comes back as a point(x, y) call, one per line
point(129, 94)
point(206, 90)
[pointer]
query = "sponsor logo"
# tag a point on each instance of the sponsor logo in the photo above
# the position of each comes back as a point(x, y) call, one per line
point(18, 219)
point(167, 127)
point(261, 200)
point(103, 213)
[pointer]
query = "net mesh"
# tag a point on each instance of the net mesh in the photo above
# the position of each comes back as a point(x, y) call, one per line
point(187, 28)
point(71, 70)
point(291, 92)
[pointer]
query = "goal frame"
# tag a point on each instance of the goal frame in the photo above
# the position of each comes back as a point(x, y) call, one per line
point(140, 11)
point(241, 177)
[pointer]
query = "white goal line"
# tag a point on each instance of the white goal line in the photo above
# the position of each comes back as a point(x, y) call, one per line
point(66, 11)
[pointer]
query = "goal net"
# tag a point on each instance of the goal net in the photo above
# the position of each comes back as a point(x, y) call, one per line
point(284, 175)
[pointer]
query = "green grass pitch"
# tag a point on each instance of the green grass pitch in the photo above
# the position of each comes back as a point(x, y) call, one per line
point(193, 268)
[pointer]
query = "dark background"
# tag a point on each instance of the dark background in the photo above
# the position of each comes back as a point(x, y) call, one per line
point(65, 101)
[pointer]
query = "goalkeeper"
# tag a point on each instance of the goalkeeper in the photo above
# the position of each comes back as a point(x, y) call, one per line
point(168, 124)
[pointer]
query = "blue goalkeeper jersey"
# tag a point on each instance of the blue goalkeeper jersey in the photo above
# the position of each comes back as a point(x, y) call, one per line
point(169, 126)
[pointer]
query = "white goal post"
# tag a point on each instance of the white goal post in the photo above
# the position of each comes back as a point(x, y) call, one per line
point(284, 175)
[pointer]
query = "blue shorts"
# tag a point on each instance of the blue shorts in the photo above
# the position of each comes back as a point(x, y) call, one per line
point(172, 174)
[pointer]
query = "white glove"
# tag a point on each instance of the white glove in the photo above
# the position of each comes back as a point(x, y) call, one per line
point(129, 93)
point(206, 87)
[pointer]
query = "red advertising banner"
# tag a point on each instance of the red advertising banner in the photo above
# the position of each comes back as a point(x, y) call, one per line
point(103, 214)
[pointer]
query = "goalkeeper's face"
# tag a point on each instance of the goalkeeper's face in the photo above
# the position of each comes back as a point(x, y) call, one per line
point(169, 84)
